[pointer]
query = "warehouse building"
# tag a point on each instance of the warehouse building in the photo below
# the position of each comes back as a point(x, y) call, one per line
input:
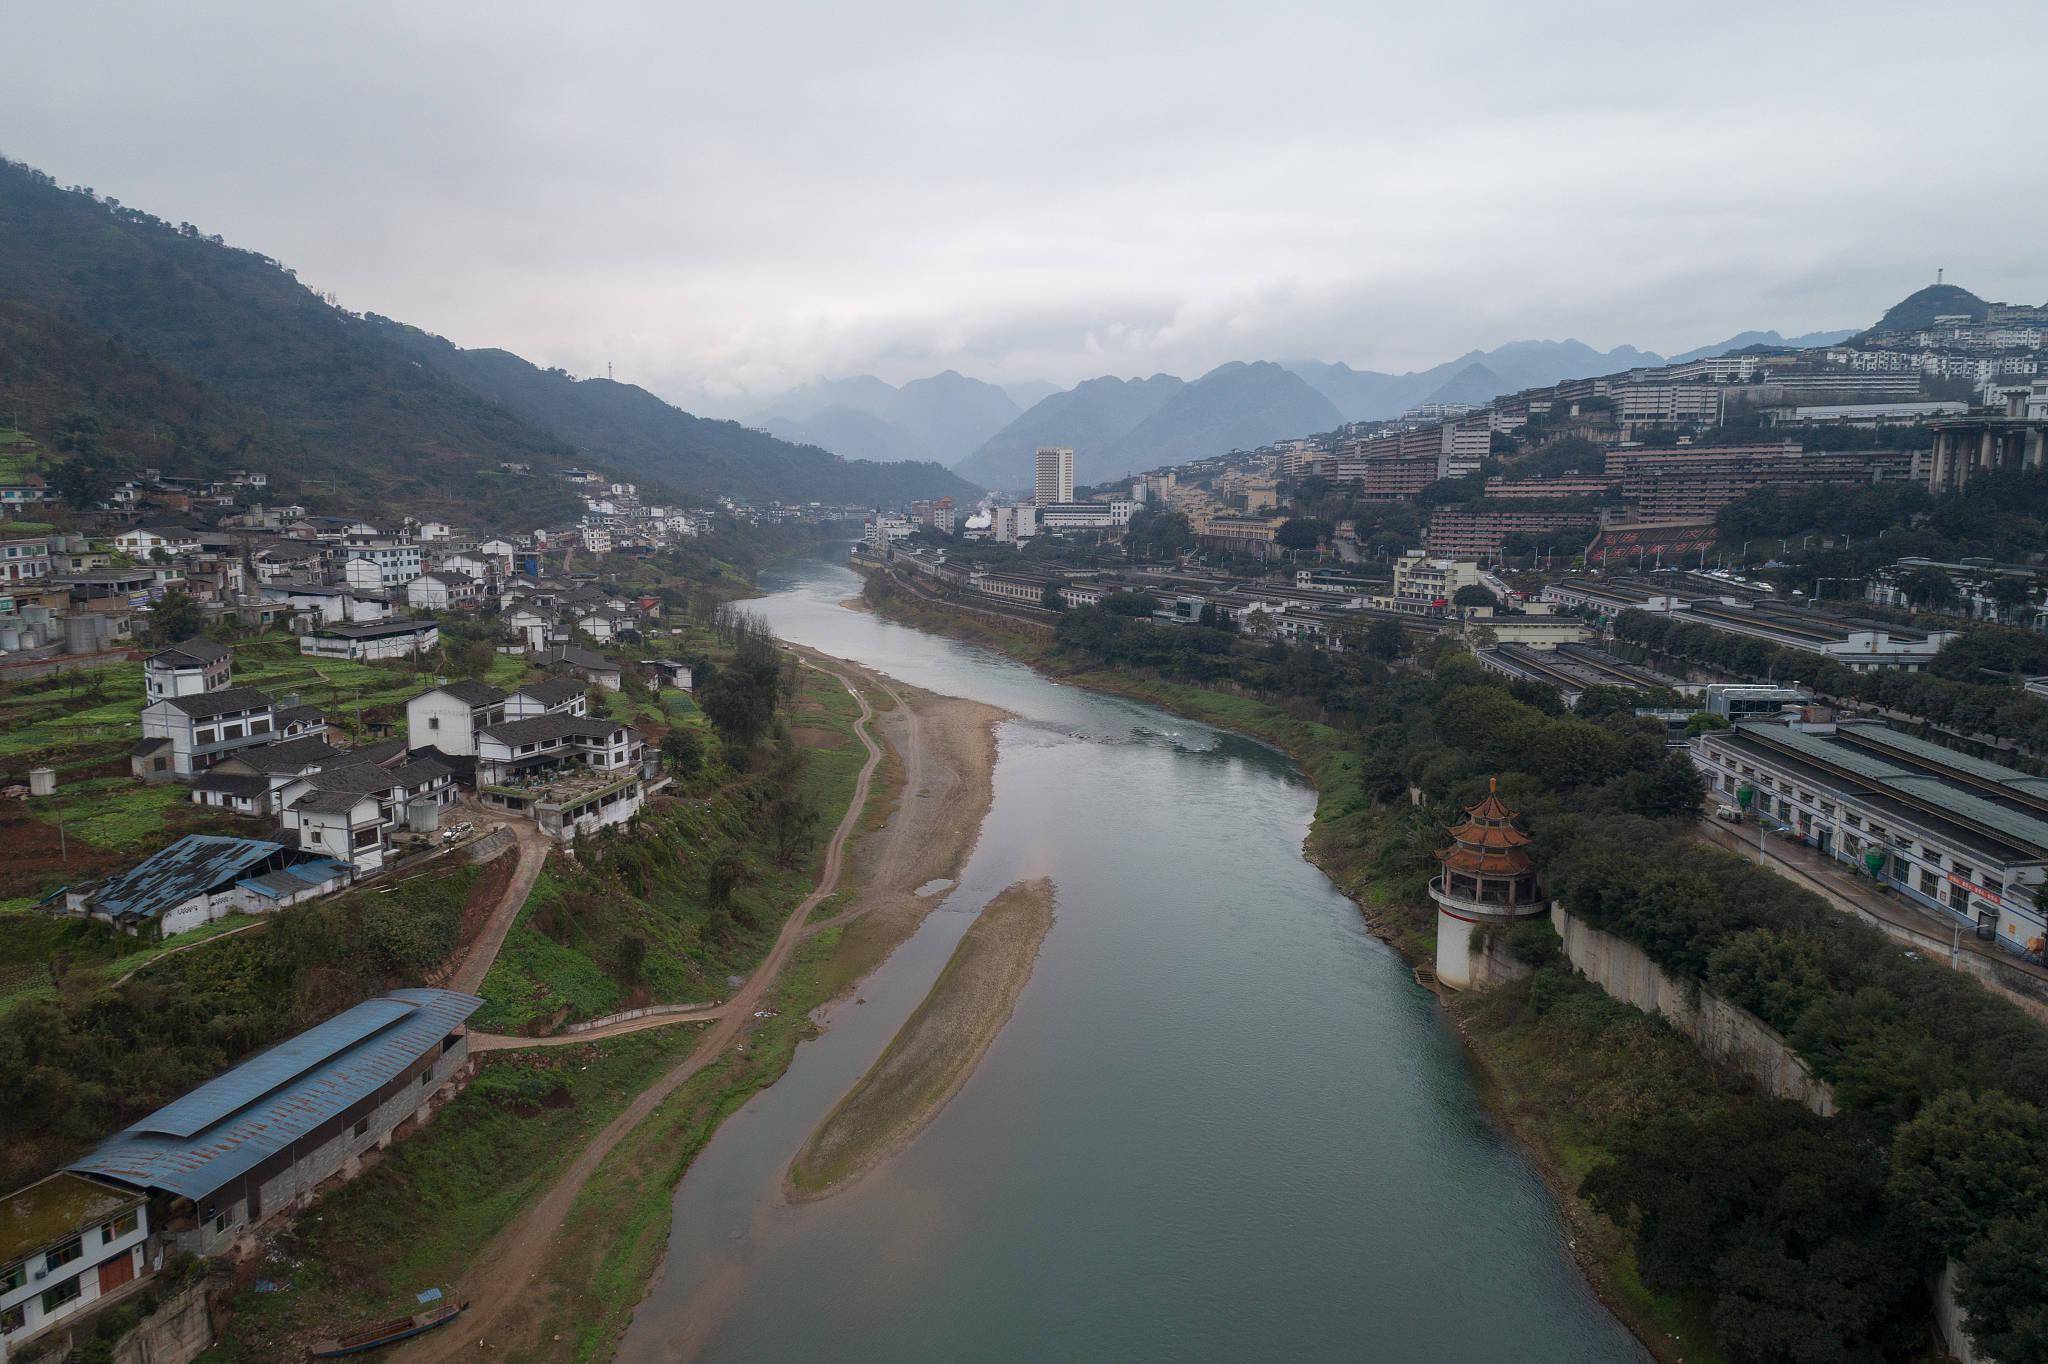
point(1956, 834)
point(257, 1141)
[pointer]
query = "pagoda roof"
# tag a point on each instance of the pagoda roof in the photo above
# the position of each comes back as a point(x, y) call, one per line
point(1488, 841)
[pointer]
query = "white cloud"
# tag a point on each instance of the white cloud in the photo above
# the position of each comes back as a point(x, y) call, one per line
point(727, 202)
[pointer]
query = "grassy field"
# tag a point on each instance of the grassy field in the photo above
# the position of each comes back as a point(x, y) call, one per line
point(415, 1219)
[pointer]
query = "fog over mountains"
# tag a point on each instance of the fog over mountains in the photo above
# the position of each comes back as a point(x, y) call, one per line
point(987, 434)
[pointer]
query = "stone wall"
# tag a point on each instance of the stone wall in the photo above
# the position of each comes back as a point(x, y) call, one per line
point(1719, 1029)
point(1491, 963)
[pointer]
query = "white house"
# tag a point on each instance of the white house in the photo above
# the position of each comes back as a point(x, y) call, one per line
point(346, 825)
point(440, 591)
point(66, 1242)
point(499, 553)
point(142, 542)
point(199, 730)
point(362, 643)
point(187, 669)
point(530, 624)
point(448, 717)
point(472, 566)
point(549, 696)
point(603, 623)
point(397, 562)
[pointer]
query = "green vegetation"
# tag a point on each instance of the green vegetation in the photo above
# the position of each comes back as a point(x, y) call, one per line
point(670, 910)
point(88, 1058)
point(415, 1219)
point(1973, 687)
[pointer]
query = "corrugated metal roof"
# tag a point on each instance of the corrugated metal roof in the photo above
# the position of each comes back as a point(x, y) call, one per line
point(1947, 797)
point(166, 879)
point(232, 1123)
point(296, 878)
point(1921, 750)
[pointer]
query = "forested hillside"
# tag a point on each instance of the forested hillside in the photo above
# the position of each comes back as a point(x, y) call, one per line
point(195, 355)
point(633, 433)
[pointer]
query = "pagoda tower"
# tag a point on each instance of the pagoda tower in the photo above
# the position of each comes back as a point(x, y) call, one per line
point(1487, 879)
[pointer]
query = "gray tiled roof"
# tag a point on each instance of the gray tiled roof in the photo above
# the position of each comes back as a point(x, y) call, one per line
point(209, 703)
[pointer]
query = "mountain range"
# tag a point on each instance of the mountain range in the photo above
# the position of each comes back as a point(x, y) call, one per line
point(1118, 426)
point(940, 418)
point(202, 357)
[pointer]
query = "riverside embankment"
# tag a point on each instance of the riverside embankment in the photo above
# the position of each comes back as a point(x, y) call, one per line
point(1222, 1121)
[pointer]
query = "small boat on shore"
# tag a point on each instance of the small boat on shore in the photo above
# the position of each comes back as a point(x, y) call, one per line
point(389, 1332)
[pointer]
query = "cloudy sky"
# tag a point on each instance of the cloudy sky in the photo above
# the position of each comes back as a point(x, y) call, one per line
point(725, 200)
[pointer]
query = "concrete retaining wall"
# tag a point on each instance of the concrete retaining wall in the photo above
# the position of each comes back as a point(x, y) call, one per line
point(1490, 963)
point(651, 1011)
point(1719, 1029)
point(176, 1333)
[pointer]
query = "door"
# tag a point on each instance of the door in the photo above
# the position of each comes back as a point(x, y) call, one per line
point(117, 1271)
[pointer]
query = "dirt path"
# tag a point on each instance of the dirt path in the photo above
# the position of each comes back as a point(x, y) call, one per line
point(498, 1041)
point(501, 1275)
point(483, 950)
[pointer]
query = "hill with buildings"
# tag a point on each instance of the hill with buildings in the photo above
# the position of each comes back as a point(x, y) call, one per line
point(1919, 308)
point(206, 354)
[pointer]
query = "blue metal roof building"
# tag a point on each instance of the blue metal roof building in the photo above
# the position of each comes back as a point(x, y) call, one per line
point(195, 865)
point(245, 1118)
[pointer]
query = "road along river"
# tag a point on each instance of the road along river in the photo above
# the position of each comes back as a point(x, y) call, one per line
point(1223, 1123)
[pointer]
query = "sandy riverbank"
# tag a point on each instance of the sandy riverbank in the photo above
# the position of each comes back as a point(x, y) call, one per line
point(937, 1048)
point(943, 757)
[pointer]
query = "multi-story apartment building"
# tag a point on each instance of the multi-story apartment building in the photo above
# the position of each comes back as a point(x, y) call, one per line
point(1424, 583)
point(1695, 481)
point(1061, 516)
point(395, 564)
point(1055, 480)
point(1478, 532)
point(1668, 404)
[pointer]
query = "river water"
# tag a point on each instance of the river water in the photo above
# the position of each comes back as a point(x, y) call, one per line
point(1224, 1122)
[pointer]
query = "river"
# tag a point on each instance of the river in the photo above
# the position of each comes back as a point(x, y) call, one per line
point(1224, 1122)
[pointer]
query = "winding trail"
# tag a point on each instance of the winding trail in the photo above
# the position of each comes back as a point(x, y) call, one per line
point(503, 1272)
point(483, 949)
point(501, 1041)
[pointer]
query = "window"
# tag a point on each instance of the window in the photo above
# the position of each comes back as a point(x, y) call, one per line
point(120, 1226)
point(64, 1254)
point(14, 1318)
point(433, 722)
point(57, 1295)
point(1928, 885)
point(361, 1129)
point(13, 1277)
